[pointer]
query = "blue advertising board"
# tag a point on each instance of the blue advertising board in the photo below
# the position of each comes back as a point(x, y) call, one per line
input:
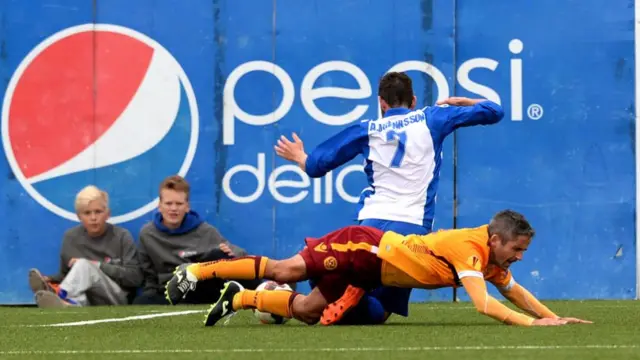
point(121, 94)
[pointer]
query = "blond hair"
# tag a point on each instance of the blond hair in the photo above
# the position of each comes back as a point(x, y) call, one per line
point(176, 183)
point(88, 194)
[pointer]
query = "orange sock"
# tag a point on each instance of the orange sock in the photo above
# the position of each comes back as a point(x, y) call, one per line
point(242, 268)
point(276, 302)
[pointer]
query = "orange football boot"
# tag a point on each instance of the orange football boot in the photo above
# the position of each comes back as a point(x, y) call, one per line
point(336, 310)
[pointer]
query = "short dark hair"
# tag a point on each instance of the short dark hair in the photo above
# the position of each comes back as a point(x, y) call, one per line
point(396, 89)
point(176, 183)
point(509, 225)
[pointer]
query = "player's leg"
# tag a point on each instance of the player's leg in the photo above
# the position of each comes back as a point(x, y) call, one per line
point(308, 309)
point(376, 306)
point(250, 268)
point(288, 304)
point(186, 276)
point(373, 307)
point(305, 308)
point(330, 258)
point(360, 248)
point(208, 291)
point(234, 297)
point(330, 253)
point(369, 311)
point(276, 302)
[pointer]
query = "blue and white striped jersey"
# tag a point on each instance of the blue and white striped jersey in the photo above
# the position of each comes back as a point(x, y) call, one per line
point(403, 154)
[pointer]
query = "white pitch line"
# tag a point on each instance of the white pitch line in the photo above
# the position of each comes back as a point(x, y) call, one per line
point(344, 349)
point(128, 318)
point(187, 312)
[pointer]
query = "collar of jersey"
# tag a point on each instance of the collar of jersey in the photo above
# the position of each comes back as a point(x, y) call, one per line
point(397, 111)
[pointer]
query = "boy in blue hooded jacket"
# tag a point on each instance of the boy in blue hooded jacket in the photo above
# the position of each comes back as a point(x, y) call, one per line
point(178, 236)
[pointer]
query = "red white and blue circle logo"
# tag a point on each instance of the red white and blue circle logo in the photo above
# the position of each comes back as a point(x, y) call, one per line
point(99, 104)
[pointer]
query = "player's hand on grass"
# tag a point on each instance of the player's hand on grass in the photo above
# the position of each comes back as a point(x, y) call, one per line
point(459, 101)
point(292, 151)
point(549, 322)
point(571, 320)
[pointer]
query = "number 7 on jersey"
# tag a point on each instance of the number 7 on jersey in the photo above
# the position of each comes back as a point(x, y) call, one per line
point(401, 138)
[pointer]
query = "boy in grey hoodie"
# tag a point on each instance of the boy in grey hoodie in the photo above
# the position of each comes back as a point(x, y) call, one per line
point(177, 235)
point(98, 261)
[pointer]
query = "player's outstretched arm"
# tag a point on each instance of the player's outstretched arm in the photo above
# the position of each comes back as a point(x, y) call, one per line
point(456, 112)
point(488, 305)
point(459, 101)
point(523, 299)
point(332, 153)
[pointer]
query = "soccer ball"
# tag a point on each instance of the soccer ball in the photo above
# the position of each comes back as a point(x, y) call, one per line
point(265, 317)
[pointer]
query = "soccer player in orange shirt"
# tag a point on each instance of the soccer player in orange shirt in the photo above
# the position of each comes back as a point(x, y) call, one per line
point(354, 259)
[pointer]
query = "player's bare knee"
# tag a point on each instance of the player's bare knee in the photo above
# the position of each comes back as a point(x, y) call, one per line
point(286, 271)
point(278, 271)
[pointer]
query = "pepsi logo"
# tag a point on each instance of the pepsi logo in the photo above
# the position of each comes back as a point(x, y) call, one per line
point(99, 104)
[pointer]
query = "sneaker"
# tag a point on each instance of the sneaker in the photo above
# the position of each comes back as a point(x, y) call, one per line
point(335, 311)
point(180, 284)
point(224, 306)
point(49, 300)
point(37, 282)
